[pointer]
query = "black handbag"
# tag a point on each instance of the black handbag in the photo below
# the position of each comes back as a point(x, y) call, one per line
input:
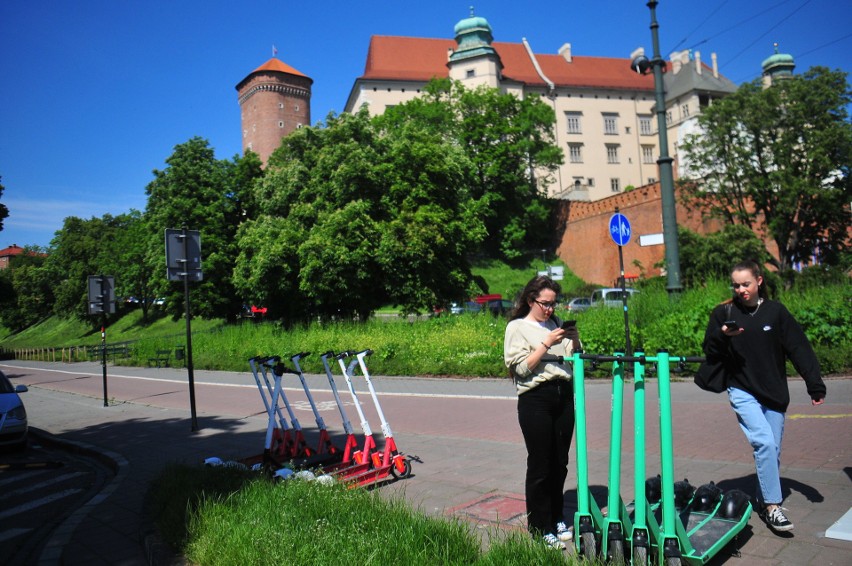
point(712, 374)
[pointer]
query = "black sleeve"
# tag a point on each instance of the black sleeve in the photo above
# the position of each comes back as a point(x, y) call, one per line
point(798, 349)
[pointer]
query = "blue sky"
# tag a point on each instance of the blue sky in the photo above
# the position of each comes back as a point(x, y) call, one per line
point(95, 94)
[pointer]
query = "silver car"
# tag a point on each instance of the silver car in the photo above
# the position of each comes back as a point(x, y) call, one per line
point(578, 304)
point(13, 415)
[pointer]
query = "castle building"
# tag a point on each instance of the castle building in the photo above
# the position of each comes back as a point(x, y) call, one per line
point(606, 124)
point(275, 100)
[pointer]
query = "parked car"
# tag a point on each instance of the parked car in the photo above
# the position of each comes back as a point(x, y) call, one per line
point(467, 306)
point(611, 296)
point(578, 304)
point(500, 306)
point(13, 415)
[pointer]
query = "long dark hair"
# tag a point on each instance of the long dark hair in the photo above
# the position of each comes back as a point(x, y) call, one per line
point(754, 268)
point(531, 292)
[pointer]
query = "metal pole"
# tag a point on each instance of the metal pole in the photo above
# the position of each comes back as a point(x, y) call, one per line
point(673, 284)
point(104, 301)
point(628, 349)
point(189, 368)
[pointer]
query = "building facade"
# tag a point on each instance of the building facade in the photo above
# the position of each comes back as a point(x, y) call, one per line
point(275, 100)
point(606, 123)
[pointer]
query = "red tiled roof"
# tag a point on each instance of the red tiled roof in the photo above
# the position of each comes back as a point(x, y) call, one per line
point(421, 59)
point(11, 250)
point(278, 66)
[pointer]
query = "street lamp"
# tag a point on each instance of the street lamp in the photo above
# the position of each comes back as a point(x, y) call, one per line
point(641, 64)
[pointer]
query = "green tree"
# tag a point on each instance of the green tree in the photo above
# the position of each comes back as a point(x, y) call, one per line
point(780, 158)
point(510, 144)
point(710, 257)
point(26, 290)
point(203, 193)
point(355, 217)
point(125, 259)
point(79, 249)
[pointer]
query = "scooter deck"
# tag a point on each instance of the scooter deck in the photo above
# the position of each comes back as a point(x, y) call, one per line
point(707, 533)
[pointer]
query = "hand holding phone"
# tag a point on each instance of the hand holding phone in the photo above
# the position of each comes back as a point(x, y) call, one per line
point(732, 325)
point(568, 324)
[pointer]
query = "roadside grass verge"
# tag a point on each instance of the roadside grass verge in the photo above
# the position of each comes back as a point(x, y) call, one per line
point(467, 345)
point(228, 516)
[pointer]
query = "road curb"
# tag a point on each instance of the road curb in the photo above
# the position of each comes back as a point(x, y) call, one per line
point(157, 552)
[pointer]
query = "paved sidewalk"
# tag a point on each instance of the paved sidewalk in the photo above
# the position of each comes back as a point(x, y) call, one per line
point(464, 432)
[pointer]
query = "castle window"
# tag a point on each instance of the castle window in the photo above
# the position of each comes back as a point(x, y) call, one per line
point(612, 153)
point(574, 124)
point(280, 124)
point(610, 124)
point(470, 73)
point(575, 152)
point(296, 108)
point(645, 125)
point(647, 154)
point(281, 105)
point(614, 185)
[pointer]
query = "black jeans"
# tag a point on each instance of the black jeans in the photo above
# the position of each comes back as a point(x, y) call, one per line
point(546, 416)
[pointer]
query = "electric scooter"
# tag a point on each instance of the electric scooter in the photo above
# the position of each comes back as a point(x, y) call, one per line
point(278, 443)
point(351, 443)
point(692, 532)
point(324, 445)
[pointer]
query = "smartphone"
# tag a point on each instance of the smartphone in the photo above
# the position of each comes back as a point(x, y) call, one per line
point(568, 324)
point(731, 324)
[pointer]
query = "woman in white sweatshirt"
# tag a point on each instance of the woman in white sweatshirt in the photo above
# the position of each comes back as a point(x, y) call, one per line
point(533, 350)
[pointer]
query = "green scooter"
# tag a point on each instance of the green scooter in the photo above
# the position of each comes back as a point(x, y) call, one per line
point(693, 534)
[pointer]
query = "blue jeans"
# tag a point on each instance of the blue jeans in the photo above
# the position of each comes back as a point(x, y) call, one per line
point(764, 430)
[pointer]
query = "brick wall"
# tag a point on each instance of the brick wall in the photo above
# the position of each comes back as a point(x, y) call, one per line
point(588, 250)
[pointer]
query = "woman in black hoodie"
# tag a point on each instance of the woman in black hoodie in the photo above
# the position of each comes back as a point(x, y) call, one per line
point(752, 336)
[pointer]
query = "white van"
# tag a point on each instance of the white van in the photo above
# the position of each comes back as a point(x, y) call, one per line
point(611, 296)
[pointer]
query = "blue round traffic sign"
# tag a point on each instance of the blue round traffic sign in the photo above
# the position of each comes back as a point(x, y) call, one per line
point(619, 229)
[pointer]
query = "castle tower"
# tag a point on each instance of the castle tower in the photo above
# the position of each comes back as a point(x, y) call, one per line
point(275, 99)
point(777, 67)
point(475, 61)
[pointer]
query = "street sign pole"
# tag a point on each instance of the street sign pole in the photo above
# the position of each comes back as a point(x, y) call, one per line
point(189, 368)
point(102, 301)
point(619, 229)
point(183, 261)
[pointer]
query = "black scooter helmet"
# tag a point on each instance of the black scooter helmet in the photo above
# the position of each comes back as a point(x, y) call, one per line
point(734, 504)
point(706, 497)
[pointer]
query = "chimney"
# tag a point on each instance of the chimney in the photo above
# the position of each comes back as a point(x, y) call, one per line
point(698, 62)
point(565, 51)
point(715, 66)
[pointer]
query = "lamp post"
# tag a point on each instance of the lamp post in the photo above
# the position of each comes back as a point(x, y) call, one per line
point(641, 64)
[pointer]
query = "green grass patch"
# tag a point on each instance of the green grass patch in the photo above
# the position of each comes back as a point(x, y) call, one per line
point(469, 345)
point(226, 516)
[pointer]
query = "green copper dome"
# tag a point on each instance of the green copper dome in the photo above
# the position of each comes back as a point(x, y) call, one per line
point(473, 37)
point(471, 24)
point(779, 63)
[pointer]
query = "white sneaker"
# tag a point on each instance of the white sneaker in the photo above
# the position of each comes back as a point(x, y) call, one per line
point(553, 542)
point(564, 532)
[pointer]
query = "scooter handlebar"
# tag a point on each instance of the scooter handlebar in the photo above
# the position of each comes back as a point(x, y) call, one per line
point(600, 358)
point(300, 355)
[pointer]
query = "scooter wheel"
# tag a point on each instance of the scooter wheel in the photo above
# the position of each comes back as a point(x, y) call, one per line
point(588, 545)
point(615, 553)
point(640, 556)
point(406, 470)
